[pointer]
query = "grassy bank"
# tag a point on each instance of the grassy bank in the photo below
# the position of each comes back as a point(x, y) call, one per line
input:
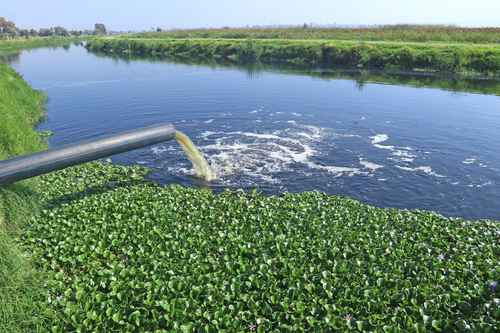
point(15, 45)
point(20, 109)
point(455, 58)
point(126, 255)
point(401, 33)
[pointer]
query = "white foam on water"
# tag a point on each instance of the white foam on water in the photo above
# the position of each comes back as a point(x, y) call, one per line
point(339, 135)
point(425, 169)
point(378, 139)
point(264, 155)
point(480, 185)
point(404, 152)
point(370, 165)
point(336, 171)
point(470, 160)
point(249, 157)
point(400, 154)
point(209, 121)
point(159, 150)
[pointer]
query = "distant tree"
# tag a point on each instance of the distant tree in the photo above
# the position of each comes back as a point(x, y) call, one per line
point(305, 26)
point(24, 32)
point(159, 29)
point(100, 29)
point(43, 32)
point(7, 28)
point(33, 33)
point(60, 31)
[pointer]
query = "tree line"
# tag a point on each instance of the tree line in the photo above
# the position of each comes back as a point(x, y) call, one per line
point(8, 29)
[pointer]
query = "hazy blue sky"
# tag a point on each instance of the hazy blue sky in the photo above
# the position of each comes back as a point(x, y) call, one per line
point(144, 14)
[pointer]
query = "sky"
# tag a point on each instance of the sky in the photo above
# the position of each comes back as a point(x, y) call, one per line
point(124, 15)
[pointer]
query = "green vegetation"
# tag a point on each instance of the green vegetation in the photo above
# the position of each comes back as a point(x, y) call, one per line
point(20, 109)
point(126, 255)
point(15, 45)
point(395, 33)
point(9, 30)
point(456, 58)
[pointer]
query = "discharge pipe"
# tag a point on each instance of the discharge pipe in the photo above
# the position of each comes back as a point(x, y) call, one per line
point(28, 166)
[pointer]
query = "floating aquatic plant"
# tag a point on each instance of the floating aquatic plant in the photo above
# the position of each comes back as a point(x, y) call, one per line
point(126, 255)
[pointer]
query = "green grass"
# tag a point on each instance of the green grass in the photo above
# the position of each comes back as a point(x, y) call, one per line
point(15, 45)
point(445, 58)
point(20, 109)
point(126, 255)
point(398, 33)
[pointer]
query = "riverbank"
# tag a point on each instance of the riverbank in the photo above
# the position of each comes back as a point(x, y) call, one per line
point(15, 45)
point(467, 59)
point(21, 108)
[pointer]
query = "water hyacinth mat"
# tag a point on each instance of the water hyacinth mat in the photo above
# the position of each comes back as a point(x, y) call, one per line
point(124, 254)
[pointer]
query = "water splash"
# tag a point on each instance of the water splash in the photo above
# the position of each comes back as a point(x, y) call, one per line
point(200, 165)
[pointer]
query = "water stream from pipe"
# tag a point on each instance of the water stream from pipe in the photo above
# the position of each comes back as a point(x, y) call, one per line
point(200, 165)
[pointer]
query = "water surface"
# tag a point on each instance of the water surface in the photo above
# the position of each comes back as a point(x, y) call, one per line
point(387, 145)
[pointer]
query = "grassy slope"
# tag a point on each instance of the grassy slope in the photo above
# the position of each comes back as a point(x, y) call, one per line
point(14, 45)
point(455, 58)
point(20, 109)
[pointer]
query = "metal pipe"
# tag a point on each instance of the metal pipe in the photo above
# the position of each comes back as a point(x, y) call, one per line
point(28, 166)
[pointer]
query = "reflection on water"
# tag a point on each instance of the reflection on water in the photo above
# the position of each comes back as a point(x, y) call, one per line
point(458, 83)
point(9, 57)
point(390, 144)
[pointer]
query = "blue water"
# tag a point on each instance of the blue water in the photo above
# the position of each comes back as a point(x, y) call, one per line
point(387, 145)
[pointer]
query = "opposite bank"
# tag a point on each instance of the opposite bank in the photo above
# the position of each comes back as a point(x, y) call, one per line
point(448, 58)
